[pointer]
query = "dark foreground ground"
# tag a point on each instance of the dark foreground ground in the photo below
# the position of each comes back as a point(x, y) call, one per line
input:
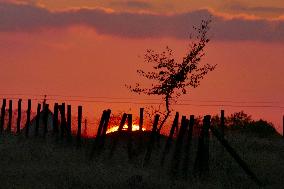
point(46, 163)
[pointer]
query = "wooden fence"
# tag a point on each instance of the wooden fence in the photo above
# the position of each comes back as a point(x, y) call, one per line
point(61, 128)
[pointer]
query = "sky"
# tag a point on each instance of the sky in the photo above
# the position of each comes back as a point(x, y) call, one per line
point(67, 49)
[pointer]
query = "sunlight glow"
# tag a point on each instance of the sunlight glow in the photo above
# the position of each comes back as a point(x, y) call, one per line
point(115, 128)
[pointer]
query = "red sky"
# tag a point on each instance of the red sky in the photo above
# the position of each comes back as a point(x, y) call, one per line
point(92, 48)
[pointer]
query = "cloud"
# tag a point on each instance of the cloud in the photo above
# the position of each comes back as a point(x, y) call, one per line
point(22, 18)
point(274, 10)
point(132, 4)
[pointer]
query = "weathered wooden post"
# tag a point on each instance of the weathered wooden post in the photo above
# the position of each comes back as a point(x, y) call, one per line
point(141, 119)
point(129, 133)
point(105, 126)
point(9, 126)
point(141, 136)
point(55, 119)
point(223, 123)
point(45, 119)
point(37, 119)
point(3, 112)
point(206, 142)
point(202, 158)
point(97, 140)
point(187, 146)
point(170, 139)
point(28, 117)
point(19, 116)
point(151, 141)
point(63, 120)
point(100, 128)
point(69, 123)
point(235, 155)
point(79, 125)
point(177, 152)
point(115, 139)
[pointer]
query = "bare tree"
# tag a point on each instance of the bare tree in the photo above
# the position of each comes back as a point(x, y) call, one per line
point(170, 78)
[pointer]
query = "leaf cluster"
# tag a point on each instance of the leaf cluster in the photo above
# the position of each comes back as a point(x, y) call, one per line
point(172, 78)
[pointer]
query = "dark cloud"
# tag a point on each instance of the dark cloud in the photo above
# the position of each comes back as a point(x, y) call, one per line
point(133, 4)
point(30, 18)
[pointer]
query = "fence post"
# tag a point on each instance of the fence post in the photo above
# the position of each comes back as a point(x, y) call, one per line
point(206, 143)
point(79, 125)
point(99, 133)
point(234, 154)
point(37, 119)
point(170, 139)
point(105, 126)
point(3, 111)
point(129, 133)
point(45, 119)
point(28, 117)
point(100, 128)
point(19, 116)
point(55, 119)
point(69, 122)
point(9, 127)
point(177, 153)
point(151, 141)
point(187, 146)
point(115, 140)
point(141, 119)
point(63, 120)
point(223, 123)
point(201, 163)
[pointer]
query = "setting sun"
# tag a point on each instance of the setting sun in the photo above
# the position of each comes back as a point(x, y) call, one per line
point(115, 128)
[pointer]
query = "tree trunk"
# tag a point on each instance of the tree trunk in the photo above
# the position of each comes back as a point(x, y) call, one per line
point(167, 115)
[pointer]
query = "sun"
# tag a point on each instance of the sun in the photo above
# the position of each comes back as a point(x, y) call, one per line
point(115, 128)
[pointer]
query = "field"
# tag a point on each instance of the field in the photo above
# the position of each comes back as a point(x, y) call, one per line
point(51, 163)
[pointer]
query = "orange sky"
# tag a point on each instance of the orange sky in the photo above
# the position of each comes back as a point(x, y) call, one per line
point(94, 53)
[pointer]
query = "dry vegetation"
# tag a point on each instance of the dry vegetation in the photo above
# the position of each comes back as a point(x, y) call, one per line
point(46, 163)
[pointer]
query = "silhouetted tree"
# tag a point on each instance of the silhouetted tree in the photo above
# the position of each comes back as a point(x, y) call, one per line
point(172, 78)
point(238, 120)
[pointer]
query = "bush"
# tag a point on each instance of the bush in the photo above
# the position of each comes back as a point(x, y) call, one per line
point(261, 127)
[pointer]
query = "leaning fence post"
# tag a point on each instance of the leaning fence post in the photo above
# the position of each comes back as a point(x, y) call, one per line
point(115, 139)
point(129, 133)
point(141, 119)
point(69, 123)
point(19, 116)
point(99, 133)
point(79, 125)
point(206, 142)
point(55, 119)
point(170, 139)
point(10, 116)
point(28, 117)
point(151, 141)
point(235, 155)
point(45, 119)
point(177, 152)
point(201, 163)
point(223, 123)
point(105, 126)
point(63, 120)
point(187, 146)
point(37, 119)
point(3, 111)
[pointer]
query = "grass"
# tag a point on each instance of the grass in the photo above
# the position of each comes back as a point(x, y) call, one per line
point(49, 163)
